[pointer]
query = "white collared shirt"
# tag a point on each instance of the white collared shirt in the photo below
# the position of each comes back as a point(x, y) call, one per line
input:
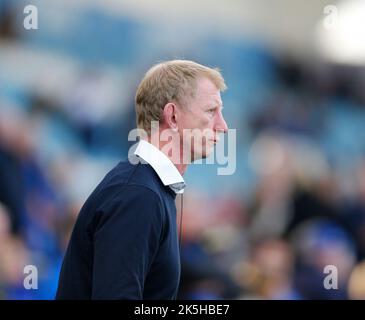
point(162, 165)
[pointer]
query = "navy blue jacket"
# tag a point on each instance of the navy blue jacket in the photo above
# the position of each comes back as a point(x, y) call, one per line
point(124, 244)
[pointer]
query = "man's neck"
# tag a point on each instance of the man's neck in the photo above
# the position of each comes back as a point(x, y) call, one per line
point(172, 150)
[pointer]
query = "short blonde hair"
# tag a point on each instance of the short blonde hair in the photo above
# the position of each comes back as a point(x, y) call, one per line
point(170, 81)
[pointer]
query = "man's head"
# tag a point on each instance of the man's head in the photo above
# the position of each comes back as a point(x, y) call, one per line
point(184, 97)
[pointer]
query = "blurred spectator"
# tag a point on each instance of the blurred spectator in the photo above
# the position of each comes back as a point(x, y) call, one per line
point(7, 20)
point(356, 285)
point(320, 243)
point(268, 274)
point(14, 257)
point(201, 276)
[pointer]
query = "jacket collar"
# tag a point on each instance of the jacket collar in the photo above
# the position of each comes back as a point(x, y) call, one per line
point(162, 165)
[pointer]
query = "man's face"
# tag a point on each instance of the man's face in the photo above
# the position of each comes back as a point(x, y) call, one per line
point(203, 116)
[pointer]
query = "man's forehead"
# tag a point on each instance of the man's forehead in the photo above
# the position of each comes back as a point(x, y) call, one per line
point(215, 99)
point(212, 93)
point(207, 85)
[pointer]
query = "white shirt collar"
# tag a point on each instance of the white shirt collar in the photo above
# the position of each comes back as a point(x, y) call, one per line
point(162, 165)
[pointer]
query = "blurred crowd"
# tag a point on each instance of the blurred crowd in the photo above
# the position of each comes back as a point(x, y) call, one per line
point(295, 204)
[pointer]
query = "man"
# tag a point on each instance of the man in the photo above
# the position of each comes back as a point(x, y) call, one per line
point(124, 244)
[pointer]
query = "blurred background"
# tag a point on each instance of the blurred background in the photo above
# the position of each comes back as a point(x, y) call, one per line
point(296, 96)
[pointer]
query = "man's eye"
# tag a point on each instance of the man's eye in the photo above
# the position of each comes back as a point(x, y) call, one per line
point(211, 111)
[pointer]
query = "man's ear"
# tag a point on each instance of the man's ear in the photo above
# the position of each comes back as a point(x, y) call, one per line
point(170, 116)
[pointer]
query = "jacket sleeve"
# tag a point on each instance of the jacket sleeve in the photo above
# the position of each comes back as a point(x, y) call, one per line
point(126, 239)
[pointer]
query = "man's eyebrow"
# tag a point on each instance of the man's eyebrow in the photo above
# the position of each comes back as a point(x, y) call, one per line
point(215, 106)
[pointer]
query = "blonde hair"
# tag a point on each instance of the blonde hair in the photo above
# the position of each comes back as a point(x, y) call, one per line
point(170, 81)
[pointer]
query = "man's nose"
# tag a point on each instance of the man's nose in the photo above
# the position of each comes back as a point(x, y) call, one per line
point(221, 124)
